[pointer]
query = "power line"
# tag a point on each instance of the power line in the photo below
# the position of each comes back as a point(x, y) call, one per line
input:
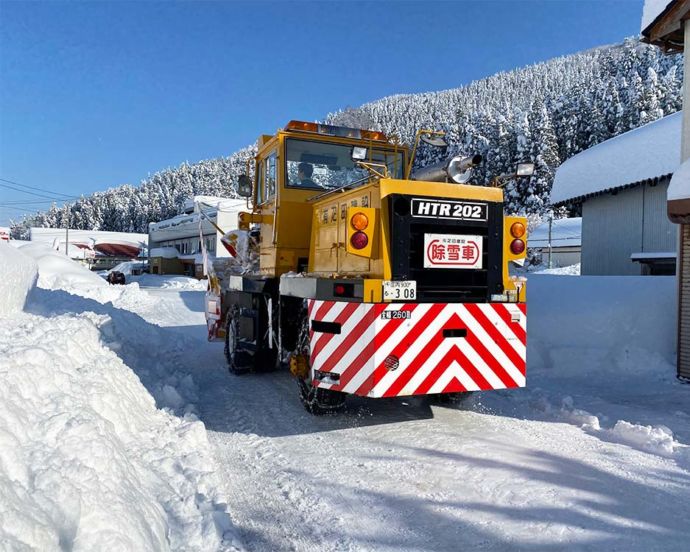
point(29, 202)
point(32, 193)
point(37, 189)
point(12, 207)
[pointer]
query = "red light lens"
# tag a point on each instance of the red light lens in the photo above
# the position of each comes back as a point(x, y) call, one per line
point(359, 240)
point(517, 247)
point(339, 289)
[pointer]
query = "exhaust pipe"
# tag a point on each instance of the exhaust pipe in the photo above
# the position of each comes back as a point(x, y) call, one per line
point(457, 169)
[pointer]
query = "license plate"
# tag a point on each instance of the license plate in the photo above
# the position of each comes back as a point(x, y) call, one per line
point(399, 291)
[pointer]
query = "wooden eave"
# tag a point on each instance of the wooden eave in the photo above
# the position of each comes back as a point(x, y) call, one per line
point(666, 31)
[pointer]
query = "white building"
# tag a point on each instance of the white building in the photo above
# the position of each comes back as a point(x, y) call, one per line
point(175, 243)
point(621, 185)
point(561, 243)
point(97, 248)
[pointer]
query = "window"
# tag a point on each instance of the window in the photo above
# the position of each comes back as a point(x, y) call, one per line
point(267, 179)
point(321, 165)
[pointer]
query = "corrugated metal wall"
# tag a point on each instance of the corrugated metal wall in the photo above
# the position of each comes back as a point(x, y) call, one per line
point(660, 234)
point(616, 226)
point(684, 305)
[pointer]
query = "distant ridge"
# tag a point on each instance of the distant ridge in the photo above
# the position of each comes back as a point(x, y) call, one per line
point(545, 112)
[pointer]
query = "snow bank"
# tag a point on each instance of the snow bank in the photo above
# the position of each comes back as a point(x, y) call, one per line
point(649, 151)
point(18, 273)
point(179, 283)
point(571, 270)
point(609, 318)
point(87, 462)
point(56, 270)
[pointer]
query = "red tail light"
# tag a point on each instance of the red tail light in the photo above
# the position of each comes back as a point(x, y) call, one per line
point(517, 247)
point(359, 240)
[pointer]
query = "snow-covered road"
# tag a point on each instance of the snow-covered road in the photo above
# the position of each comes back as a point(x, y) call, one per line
point(508, 470)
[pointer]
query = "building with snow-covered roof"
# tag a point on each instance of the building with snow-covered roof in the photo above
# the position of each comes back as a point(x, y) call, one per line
point(176, 244)
point(556, 243)
point(96, 248)
point(621, 185)
point(665, 24)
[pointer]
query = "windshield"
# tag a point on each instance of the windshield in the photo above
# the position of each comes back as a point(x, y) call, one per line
point(324, 166)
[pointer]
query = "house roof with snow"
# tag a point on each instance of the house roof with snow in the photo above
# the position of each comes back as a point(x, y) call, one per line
point(662, 23)
point(566, 232)
point(645, 154)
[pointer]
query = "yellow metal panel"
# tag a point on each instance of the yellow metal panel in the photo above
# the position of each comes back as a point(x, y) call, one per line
point(373, 290)
point(509, 256)
point(439, 189)
point(370, 231)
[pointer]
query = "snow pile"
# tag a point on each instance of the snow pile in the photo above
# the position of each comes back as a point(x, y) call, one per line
point(164, 252)
point(87, 462)
point(651, 10)
point(127, 267)
point(178, 283)
point(679, 188)
point(56, 270)
point(658, 440)
point(571, 270)
point(651, 151)
point(19, 274)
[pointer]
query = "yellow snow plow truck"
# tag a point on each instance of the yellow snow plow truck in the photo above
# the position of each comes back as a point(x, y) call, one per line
point(366, 278)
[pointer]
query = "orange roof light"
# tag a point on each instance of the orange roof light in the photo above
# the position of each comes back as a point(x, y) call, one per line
point(331, 130)
point(302, 125)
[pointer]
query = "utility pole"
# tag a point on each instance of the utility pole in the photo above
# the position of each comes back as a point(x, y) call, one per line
point(67, 230)
point(550, 225)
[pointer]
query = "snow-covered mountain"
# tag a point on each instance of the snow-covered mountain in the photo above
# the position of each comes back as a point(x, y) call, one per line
point(546, 113)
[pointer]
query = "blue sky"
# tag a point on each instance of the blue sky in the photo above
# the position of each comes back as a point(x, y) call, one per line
point(94, 95)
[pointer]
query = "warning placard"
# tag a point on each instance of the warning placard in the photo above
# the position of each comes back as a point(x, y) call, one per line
point(452, 251)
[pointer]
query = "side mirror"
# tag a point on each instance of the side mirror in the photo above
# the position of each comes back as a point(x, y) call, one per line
point(525, 169)
point(244, 186)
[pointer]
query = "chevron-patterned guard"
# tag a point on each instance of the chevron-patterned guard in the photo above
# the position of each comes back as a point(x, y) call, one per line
point(398, 349)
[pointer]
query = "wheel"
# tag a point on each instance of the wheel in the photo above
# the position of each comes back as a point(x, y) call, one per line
point(318, 401)
point(451, 398)
point(239, 361)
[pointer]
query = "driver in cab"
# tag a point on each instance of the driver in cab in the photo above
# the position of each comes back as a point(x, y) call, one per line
point(304, 172)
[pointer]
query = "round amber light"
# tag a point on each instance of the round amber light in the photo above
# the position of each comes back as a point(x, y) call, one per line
point(517, 230)
point(359, 221)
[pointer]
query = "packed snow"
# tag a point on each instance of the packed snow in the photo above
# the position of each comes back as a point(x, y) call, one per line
point(650, 151)
point(19, 277)
point(679, 188)
point(592, 455)
point(100, 448)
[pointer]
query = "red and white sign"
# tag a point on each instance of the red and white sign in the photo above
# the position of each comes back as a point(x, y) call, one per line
point(4, 233)
point(400, 349)
point(452, 251)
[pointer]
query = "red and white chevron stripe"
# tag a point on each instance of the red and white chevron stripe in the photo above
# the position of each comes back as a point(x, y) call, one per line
point(362, 357)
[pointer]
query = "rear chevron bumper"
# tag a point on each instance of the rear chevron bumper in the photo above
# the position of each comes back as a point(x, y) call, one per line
point(365, 349)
